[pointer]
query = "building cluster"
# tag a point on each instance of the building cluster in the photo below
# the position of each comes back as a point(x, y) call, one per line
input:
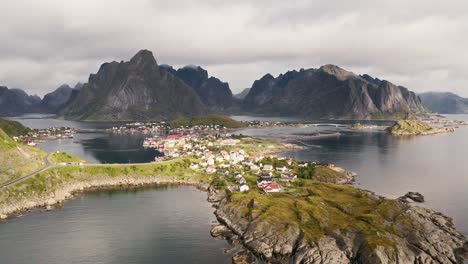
point(218, 154)
point(50, 133)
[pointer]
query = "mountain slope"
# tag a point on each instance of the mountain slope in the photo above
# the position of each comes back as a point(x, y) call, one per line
point(445, 103)
point(135, 90)
point(16, 159)
point(55, 100)
point(16, 102)
point(330, 92)
point(242, 94)
point(213, 92)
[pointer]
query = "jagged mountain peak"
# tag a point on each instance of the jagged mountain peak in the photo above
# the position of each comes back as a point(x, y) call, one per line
point(143, 58)
point(337, 71)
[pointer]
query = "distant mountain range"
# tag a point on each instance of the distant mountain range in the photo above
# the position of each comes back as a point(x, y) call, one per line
point(140, 89)
point(445, 103)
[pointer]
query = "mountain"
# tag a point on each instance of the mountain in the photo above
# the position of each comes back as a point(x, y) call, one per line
point(331, 92)
point(242, 94)
point(214, 93)
point(17, 102)
point(134, 90)
point(55, 100)
point(445, 103)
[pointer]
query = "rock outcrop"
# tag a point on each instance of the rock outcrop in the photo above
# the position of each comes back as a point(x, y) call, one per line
point(134, 90)
point(424, 237)
point(416, 128)
point(331, 92)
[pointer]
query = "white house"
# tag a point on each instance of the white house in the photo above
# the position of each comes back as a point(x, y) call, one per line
point(267, 167)
point(244, 188)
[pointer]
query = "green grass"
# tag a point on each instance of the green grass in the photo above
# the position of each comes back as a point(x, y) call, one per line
point(13, 128)
point(207, 120)
point(409, 127)
point(17, 159)
point(63, 157)
point(322, 208)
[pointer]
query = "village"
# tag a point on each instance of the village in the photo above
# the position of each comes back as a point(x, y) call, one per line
point(228, 158)
point(40, 135)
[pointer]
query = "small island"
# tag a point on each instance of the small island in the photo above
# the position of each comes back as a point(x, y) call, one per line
point(415, 127)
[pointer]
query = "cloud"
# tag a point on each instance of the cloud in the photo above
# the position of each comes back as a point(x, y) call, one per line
point(417, 44)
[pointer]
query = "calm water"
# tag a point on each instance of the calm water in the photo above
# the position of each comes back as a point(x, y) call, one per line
point(96, 147)
point(436, 166)
point(150, 225)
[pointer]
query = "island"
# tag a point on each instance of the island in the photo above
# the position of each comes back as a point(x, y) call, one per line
point(415, 127)
point(278, 209)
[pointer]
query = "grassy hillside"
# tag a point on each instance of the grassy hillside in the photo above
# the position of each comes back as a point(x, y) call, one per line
point(13, 128)
point(410, 127)
point(63, 157)
point(17, 159)
point(207, 120)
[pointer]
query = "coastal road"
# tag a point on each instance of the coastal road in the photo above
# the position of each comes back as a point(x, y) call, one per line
point(47, 165)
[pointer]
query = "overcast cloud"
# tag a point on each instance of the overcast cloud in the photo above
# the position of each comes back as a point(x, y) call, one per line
point(420, 44)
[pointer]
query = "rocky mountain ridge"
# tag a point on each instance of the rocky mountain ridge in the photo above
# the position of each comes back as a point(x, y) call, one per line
point(16, 102)
point(331, 92)
point(214, 93)
point(445, 103)
point(134, 90)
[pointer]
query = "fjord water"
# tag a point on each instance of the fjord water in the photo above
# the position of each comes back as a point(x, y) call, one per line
point(436, 166)
point(166, 224)
point(95, 145)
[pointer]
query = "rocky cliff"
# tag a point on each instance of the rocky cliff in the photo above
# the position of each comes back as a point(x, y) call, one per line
point(16, 102)
point(331, 92)
point(445, 103)
point(214, 93)
point(329, 232)
point(134, 90)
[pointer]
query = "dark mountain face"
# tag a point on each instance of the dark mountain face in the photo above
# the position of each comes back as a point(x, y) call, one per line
point(17, 102)
point(445, 103)
point(214, 93)
point(57, 99)
point(242, 94)
point(330, 92)
point(135, 90)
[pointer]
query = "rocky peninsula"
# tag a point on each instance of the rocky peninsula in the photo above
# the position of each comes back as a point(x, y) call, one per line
point(416, 128)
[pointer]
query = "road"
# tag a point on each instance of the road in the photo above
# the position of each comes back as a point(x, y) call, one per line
point(48, 165)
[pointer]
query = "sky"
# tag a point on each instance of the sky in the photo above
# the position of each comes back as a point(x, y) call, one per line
point(420, 44)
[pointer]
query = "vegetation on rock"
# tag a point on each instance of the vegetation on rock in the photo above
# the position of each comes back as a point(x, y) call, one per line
point(205, 120)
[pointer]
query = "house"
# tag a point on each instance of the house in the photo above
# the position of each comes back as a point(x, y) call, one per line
point(272, 188)
point(254, 168)
point(210, 170)
point(203, 164)
point(193, 166)
point(267, 167)
point(288, 177)
point(282, 169)
point(210, 161)
point(244, 188)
